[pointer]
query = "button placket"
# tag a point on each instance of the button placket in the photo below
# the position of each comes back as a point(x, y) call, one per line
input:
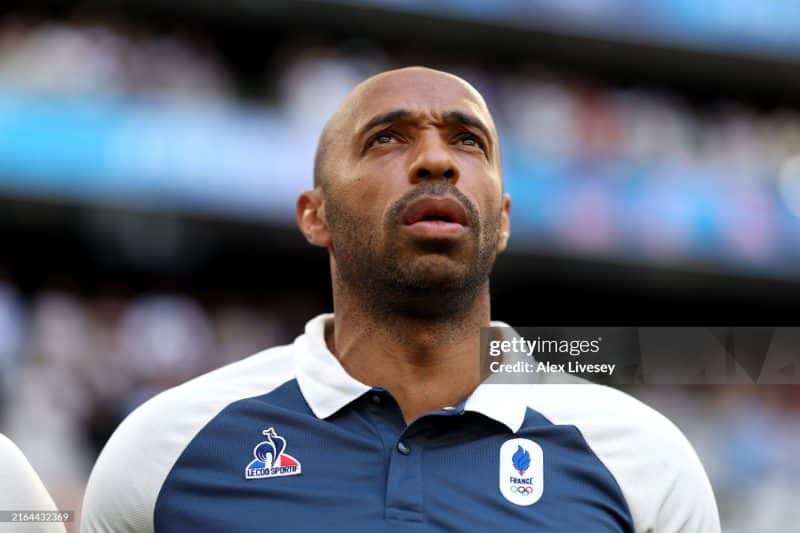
point(404, 490)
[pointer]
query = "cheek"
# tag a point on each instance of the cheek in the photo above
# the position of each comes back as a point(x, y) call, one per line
point(358, 214)
point(375, 188)
point(487, 195)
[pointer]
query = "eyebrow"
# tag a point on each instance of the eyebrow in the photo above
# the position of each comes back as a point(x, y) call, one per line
point(385, 118)
point(451, 116)
point(469, 120)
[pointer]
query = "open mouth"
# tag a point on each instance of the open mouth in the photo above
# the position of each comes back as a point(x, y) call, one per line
point(430, 209)
point(436, 218)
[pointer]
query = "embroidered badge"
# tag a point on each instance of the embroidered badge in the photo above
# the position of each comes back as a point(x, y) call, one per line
point(521, 471)
point(271, 459)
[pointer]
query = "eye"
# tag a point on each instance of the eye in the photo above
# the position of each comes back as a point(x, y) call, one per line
point(384, 137)
point(470, 139)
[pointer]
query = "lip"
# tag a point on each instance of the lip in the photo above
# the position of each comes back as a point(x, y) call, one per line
point(436, 229)
point(436, 218)
point(445, 209)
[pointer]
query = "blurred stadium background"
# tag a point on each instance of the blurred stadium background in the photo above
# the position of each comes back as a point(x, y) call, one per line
point(151, 153)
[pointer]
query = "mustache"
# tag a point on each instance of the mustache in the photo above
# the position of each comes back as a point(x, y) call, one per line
point(433, 189)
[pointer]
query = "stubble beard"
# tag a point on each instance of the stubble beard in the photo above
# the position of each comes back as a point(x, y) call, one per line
point(423, 282)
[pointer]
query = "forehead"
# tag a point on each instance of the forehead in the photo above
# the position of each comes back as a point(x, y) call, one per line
point(418, 92)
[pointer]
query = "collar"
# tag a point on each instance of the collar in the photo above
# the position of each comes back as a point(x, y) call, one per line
point(327, 387)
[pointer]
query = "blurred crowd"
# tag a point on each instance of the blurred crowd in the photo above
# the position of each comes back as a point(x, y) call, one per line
point(554, 113)
point(747, 439)
point(594, 169)
point(72, 365)
point(109, 57)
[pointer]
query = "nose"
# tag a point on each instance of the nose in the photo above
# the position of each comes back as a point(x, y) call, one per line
point(433, 160)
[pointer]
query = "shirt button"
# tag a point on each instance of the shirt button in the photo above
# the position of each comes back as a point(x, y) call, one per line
point(376, 399)
point(402, 448)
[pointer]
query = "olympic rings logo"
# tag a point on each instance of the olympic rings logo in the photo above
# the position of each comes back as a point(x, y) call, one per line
point(520, 489)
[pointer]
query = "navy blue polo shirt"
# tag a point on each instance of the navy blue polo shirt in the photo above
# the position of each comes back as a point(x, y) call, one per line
point(286, 440)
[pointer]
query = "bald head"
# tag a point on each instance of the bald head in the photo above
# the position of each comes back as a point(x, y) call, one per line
point(406, 90)
point(411, 205)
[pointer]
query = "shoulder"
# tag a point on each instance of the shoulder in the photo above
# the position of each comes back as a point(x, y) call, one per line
point(24, 484)
point(9, 453)
point(14, 465)
point(125, 481)
point(20, 486)
point(590, 404)
point(654, 464)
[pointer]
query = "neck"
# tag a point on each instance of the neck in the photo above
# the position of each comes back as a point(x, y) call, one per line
point(425, 363)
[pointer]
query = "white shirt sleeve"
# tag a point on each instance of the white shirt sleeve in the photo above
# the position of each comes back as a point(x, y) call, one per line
point(22, 490)
point(655, 466)
point(125, 482)
point(688, 504)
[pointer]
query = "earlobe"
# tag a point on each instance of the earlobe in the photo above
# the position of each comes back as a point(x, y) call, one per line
point(505, 224)
point(311, 218)
point(502, 241)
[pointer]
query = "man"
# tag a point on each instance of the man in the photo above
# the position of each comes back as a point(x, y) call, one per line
point(375, 419)
point(24, 501)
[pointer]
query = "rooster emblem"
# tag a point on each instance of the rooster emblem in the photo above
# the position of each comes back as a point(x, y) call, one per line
point(270, 450)
point(271, 459)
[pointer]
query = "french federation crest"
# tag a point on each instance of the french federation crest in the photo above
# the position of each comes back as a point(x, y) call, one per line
point(270, 459)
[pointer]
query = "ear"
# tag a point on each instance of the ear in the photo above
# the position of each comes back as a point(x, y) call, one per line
point(505, 224)
point(311, 218)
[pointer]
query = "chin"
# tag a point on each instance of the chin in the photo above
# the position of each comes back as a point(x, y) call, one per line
point(435, 271)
